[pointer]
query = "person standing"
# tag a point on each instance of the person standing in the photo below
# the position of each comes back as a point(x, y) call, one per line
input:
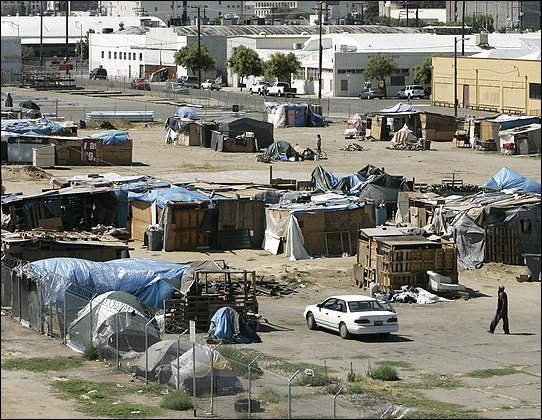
point(318, 144)
point(502, 312)
point(9, 101)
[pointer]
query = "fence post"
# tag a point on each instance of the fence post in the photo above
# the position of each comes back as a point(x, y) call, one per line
point(335, 399)
point(249, 384)
point(212, 374)
point(64, 341)
point(117, 322)
point(290, 394)
point(19, 296)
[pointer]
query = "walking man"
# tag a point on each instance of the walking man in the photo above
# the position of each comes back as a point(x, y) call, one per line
point(502, 312)
point(318, 144)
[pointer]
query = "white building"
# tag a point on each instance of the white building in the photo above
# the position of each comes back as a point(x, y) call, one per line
point(11, 57)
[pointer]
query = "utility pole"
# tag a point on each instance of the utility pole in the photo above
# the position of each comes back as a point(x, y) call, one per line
point(463, 28)
point(41, 34)
point(406, 13)
point(199, 44)
point(320, 51)
point(67, 44)
point(455, 77)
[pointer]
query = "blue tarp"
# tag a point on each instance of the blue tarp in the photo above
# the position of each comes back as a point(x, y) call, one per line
point(299, 113)
point(226, 324)
point(178, 194)
point(313, 119)
point(145, 278)
point(114, 140)
point(42, 126)
point(400, 107)
point(186, 112)
point(507, 178)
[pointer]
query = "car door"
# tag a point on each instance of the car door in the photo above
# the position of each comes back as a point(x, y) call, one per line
point(337, 314)
point(322, 315)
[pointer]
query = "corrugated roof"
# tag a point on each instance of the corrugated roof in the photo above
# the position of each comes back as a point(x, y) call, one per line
point(239, 30)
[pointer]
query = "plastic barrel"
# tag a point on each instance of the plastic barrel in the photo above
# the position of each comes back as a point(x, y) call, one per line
point(154, 239)
point(532, 263)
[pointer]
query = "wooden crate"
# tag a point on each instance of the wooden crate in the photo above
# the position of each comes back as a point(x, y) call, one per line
point(243, 214)
point(501, 244)
point(184, 232)
point(114, 154)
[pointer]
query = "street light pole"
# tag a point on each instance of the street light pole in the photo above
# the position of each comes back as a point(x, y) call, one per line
point(455, 76)
point(348, 90)
point(80, 26)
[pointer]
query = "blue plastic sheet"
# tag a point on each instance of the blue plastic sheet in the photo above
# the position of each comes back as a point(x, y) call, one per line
point(145, 278)
point(186, 112)
point(42, 126)
point(114, 140)
point(176, 194)
point(400, 107)
point(507, 179)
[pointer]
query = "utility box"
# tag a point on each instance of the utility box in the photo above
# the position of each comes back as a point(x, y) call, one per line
point(43, 157)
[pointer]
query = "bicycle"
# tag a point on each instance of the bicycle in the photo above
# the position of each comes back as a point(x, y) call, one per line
point(321, 155)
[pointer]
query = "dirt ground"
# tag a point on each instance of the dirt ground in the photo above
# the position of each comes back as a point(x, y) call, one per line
point(446, 338)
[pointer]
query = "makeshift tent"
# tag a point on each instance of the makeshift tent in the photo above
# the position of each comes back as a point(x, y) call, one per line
point(278, 149)
point(521, 140)
point(227, 325)
point(145, 278)
point(508, 179)
point(225, 382)
point(186, 112)
point(159, 75)
point(263, 131)
point(111, 322)
point(111, 136)
point(158, 358)
point(293, 115)
point(400, 107)
point(404, 135)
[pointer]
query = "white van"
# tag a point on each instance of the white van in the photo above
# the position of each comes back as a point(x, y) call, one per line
point(414, 91)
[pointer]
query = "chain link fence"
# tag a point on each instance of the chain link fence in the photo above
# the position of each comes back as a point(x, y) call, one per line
point(230, 380)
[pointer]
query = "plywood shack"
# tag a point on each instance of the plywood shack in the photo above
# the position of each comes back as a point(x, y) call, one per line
point(241, 223)
point(73, 151)
point(394, 259)
point(437, 127)
point(328, 231)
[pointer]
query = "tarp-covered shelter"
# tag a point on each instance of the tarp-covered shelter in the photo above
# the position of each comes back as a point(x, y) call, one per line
point(155, 365)
point(114, 321)
point(490, 127)
point(508, 179)
point(404, 135)
point(498, 226)
point(225, 381)
point(146, 278)
point(263, 130)
point(294, 115)
point(228, 326)
point(327, 225)
point(522, 140)
point(186, 112)
point(279, 150)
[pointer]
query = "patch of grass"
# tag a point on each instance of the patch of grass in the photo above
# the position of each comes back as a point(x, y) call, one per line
point(431, 381)
point(177, 400)
point(99, 399)
point(43, 364)
point(318, 379)
point(361, 356)
point(487, 373)
point(90, 352)
point(154, 388)
point(270, 396)
point(356, 387)
point(399, 364)
point(383, 372)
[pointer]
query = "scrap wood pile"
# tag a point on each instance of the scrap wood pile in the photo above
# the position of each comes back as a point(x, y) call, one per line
point(406, 146)
point(99, 233)
point(466, 188)
point(271, 287)
point(353, 147)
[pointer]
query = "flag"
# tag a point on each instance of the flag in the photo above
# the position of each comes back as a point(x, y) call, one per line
point(218, 80)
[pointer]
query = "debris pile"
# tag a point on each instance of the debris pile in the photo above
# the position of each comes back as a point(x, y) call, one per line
point(406, 146)
point(353, 147)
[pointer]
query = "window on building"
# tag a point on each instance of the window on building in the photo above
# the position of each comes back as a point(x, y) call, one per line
point(103, 54)
point(125, 56)
point(397, 80)
point(140, 56)
point(109, 55)
point(115, 55)
point(133, 56)
point(129, 56)
point(525, 226)
point(534, 90)
point(331, 84)
point(344, 85)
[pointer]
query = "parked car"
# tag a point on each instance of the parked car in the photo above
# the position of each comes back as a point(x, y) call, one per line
point(140, 84)
point(176, 88)
point(281, 89)
point(352, 315)
point(414, 91)
point(259, 87)
point(98, 73)
point(190, 81)
point(210, 84)
point(402, 93)
point(371, 93)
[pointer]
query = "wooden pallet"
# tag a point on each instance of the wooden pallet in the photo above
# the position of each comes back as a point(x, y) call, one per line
point(501, 244)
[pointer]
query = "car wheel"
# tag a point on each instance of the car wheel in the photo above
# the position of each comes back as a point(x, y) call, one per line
point(311, 323)
point(343, 331)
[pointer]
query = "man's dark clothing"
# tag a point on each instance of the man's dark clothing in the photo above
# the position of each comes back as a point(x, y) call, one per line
point(502, 313)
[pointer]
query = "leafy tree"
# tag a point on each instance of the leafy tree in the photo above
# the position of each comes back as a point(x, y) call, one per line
point(217, 20)
point(81, 47)
point(21, 8)
point(379, 67)
point(423, 71)
point(245, 62)
point(281, 66)
point(188, 57)
point(26, 52)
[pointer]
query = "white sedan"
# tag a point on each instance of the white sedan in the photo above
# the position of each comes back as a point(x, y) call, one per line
point(352, 314)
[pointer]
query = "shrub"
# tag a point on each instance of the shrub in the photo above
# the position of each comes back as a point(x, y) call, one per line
point(90, 352)
point(384, 372)
point(177, 400)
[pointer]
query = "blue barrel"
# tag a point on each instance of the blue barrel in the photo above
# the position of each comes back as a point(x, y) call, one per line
point(380, 215)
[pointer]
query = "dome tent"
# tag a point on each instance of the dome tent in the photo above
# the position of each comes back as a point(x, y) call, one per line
point(111, 318)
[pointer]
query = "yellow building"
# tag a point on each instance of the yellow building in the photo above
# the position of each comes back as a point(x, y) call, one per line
point(508, 86)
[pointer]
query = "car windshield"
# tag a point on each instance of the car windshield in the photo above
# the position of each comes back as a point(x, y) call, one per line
point(417, 87)
point(365, 306)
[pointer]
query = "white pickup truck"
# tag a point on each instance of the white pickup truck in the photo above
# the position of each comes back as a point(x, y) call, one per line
point(210, 84)
point(258, 87)
point(281, 89)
